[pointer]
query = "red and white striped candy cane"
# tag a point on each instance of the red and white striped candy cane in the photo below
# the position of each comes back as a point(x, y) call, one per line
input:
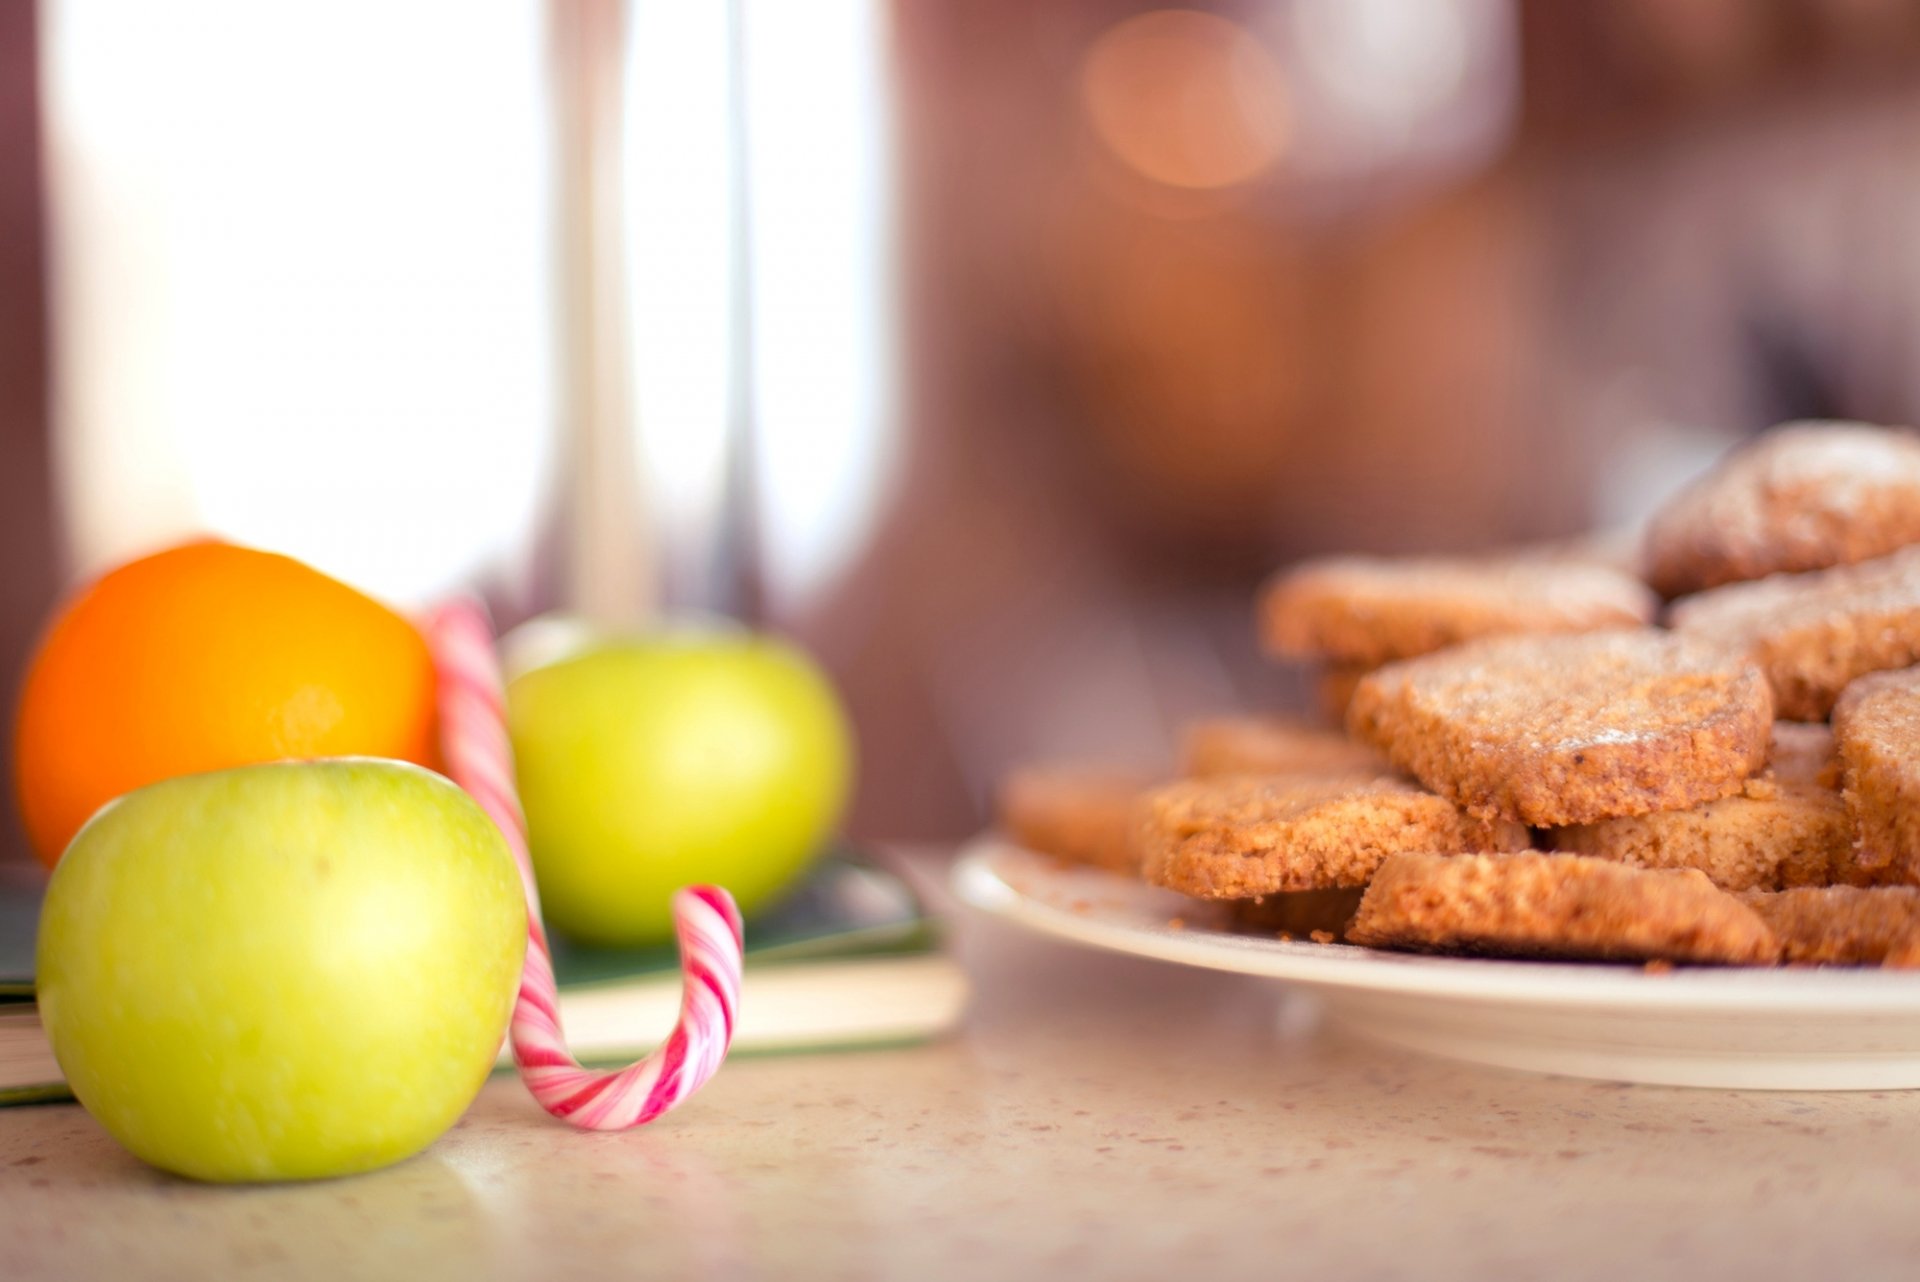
point(473, 738)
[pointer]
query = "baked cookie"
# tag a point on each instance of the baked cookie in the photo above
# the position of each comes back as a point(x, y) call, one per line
point(1815, 632)
point(1564, 730)
point(1300, 914)
point(1876, 726)
point(1804, 496)
point(1558, 906)
point(1772, 835)
point(1242, 836)
point(1269, 745)
point(1783, 828)
point(1365, 611)
point(1844, 925)
point(1079, 813)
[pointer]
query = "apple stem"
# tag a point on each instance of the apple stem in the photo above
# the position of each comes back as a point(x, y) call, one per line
point(479, 757)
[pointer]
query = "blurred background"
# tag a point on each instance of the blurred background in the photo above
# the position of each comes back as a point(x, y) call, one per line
point(996, 351)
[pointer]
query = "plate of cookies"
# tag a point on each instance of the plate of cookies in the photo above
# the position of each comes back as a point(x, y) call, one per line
point(1651, 819)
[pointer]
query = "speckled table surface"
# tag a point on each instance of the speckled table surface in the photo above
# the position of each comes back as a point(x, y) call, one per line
point(1095, 1117)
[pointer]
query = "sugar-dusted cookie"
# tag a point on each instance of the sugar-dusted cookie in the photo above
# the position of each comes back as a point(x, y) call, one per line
point(1804, 496)
point(1772, 835)
point(1784, 828)
point(1269, 745)
point(1241, 836)
point(1299, 914)
point(1570, 729)
point(1364, 611)
point(1876, 727)
point(1080, 813)
point(1558, 906)
point(1844, 925)
point(1815, 632)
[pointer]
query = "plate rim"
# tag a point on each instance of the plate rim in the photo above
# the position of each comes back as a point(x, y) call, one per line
point(977, 880)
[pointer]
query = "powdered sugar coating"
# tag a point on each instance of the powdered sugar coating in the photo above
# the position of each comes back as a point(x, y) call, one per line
point(1561, 730)
point(1804, 496)
point(1815, 632)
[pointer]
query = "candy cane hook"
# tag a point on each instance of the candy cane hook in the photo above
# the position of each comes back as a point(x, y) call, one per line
point(473, 736)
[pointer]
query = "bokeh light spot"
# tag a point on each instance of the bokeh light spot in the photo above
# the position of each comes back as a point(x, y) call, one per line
point(1185, 98)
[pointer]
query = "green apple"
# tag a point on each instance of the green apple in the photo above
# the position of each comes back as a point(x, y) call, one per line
point(648, 764)
point(282, 971)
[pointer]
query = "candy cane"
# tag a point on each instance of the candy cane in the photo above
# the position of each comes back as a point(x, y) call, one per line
point(473, 737)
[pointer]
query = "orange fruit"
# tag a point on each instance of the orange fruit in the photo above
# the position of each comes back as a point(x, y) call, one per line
point(207, 656)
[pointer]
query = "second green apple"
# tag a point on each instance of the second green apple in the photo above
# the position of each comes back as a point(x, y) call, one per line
point(646, 765)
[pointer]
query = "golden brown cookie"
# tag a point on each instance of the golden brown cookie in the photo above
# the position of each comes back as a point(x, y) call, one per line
point(1241, 836)
point(1772, 835)
point(1844, 925)
point(1080, 813)
point(1815, 632)
point(1557, 906)
point(1785, 827)
point(1301, 914)
point(1804, 496)
point(1563, 730)
point(1364, 611)
point(1269, 745)
point(1876, 726)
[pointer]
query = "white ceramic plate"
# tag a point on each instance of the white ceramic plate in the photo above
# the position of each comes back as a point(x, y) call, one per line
point(1779, 1029)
